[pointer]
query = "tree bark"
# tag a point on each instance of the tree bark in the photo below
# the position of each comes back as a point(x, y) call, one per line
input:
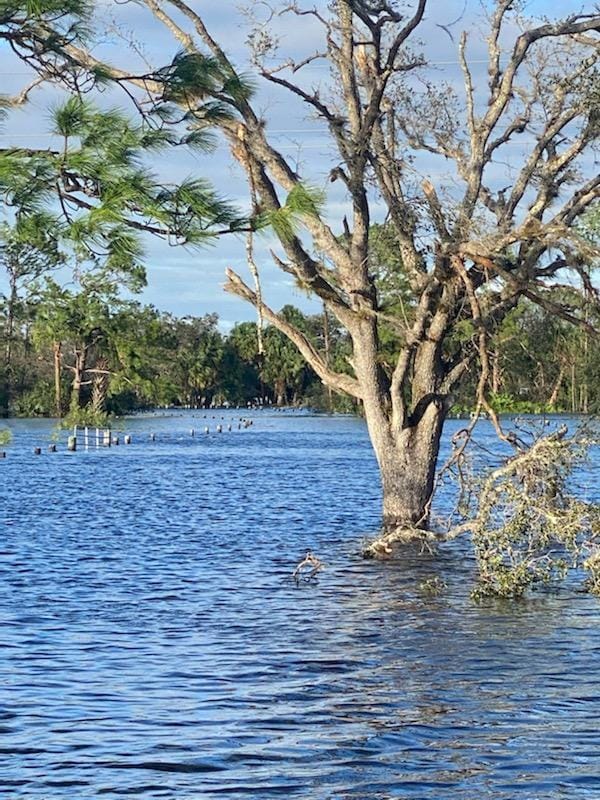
point(408, 473)
point(280, 392)
point(495, 364)
point(407, 455)
point(10, 335)
point(327, 354)
point(553, 399)
point(57, 351)
point(78, 376)
point(100, 387)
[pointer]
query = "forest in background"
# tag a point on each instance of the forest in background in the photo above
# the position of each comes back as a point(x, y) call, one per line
point(86, 351)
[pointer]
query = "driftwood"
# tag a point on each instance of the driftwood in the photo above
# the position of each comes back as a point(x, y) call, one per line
point(308, 568)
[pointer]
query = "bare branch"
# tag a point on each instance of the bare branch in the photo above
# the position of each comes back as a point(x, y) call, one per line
point(338, 381)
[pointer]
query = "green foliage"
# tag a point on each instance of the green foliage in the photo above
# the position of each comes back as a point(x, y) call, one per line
point(385, 262)
point(283, 367)
point(193, 77)
point(5, 436)
point(72, 118)
point(86, 417)
point(37, 401)
point(395, 297)
point(302, 201)
point(106, 196)
point(540, 363)
point(432, 587)
point(529, 529)
point(506, 404)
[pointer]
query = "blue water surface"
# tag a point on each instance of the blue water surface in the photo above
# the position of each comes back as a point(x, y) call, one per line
point(154, 645)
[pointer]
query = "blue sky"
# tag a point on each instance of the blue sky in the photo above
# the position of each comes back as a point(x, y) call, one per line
point(190, 281)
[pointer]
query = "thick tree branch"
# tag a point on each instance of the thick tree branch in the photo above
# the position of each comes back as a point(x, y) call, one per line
point(336, 380)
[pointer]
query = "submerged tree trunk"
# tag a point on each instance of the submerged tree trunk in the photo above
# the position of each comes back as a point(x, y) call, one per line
point(405, 433)
point(408, 473)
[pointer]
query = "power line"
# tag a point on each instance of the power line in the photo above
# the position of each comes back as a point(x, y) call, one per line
point(318, 67)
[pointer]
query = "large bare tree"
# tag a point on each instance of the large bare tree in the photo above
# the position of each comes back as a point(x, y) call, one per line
point(471, 244)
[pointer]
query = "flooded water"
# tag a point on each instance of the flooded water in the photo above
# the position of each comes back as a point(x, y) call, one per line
point(154, 645)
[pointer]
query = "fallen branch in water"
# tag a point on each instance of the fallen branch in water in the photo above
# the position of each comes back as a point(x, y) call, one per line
point(383, 546)
point(528, 522)
point(308, 568)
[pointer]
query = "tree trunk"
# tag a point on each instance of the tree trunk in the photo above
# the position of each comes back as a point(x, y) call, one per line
point(280, 392)
point(57, 350)
point(553, 399)
point(100, 387)
point(327, 352)
point(8, 350)
point(407, 457)
point(408, 473)
point(78, 376)
point(495, 363)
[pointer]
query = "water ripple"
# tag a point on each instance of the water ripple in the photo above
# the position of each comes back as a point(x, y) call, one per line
point(153, 644)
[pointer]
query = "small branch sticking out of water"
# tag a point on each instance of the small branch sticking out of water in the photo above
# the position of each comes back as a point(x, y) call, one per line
point(308, 568)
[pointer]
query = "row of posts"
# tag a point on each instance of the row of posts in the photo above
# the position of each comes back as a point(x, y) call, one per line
point(105, 438)
point(102, 438)
point(243, 423)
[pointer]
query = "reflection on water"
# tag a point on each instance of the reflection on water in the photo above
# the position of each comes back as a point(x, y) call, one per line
point(153, 643)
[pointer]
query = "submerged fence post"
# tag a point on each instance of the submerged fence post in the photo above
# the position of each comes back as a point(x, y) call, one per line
point(106, 438)
point(72, 443)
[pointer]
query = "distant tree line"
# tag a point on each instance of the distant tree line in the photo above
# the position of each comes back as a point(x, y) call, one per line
point(84, 352)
